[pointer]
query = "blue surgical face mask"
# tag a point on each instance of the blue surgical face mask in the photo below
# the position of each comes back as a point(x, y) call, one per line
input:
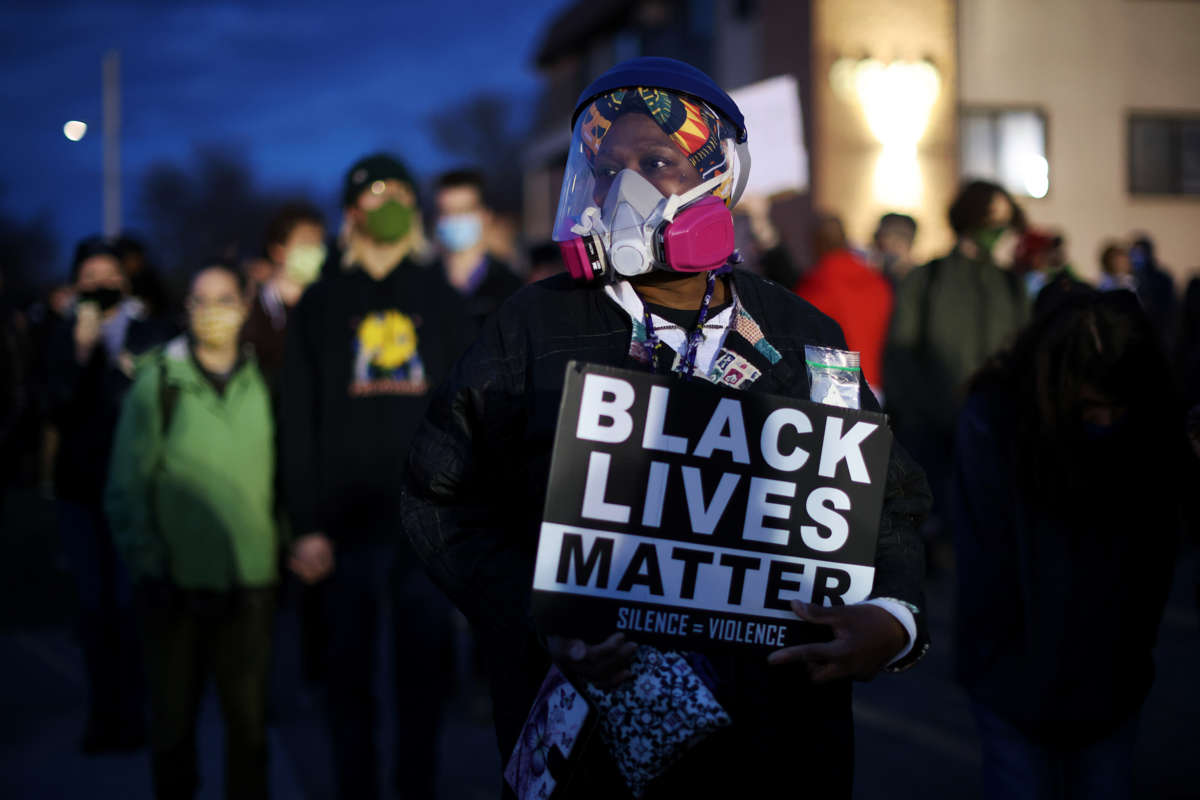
point(458, 232)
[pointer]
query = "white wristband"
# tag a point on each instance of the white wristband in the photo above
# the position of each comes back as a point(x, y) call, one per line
point(904, 615)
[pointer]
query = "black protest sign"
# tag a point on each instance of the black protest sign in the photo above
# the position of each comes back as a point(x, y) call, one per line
point(689, 515)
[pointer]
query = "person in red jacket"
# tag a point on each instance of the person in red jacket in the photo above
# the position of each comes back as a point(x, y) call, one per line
point(844, 286)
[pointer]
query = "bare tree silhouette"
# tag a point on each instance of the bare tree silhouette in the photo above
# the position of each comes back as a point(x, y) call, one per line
point(487, 131)
point(208, 208)
point(28, 258)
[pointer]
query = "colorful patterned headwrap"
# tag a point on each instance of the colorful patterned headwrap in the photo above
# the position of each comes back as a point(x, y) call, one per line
point(697, 130)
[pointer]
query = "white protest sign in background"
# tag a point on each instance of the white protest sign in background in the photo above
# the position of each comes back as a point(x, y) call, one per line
point(778, 157)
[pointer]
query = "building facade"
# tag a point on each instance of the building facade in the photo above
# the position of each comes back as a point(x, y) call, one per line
point(1118, 84)
point(1088, 110)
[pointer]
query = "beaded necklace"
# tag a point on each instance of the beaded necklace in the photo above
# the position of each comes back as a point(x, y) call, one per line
point(687, 361)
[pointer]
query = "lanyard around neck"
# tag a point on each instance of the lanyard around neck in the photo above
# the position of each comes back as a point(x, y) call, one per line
point(687, 360)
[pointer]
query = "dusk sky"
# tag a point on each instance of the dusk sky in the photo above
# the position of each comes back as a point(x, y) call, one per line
point(300, 88)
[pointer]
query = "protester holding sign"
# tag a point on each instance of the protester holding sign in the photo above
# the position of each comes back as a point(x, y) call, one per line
point(657, 160)
point(1070, 471)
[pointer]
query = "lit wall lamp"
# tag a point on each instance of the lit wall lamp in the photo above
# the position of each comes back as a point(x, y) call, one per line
point(897, 99)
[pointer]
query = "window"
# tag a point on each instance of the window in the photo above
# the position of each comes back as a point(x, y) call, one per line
point(1007, 146)
point(1164, 154)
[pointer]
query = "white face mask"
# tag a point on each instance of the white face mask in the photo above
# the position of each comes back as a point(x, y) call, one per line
point(303, 262)
point(634, 213)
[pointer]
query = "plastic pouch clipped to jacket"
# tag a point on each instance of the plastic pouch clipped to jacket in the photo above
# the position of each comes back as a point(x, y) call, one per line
point(833, 376)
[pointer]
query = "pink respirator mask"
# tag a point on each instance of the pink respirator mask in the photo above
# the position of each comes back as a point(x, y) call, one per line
point(640, 230)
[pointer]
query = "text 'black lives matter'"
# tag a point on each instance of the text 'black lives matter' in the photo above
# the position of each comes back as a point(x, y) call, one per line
point(689, 516)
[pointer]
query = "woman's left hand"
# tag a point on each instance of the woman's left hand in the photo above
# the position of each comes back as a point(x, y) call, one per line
point(865, 638)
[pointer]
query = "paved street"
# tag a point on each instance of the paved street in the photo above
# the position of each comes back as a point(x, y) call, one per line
point(915, 736)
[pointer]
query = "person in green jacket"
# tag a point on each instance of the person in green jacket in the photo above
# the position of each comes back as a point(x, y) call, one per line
point(190, 499)
point(949, 317)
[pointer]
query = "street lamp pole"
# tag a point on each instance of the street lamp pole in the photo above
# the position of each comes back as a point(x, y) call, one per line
point(111, 81)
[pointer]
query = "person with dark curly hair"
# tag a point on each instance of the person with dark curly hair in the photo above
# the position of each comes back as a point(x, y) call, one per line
point(1066, 504)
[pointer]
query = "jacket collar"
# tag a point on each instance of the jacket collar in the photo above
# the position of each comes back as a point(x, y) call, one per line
point(183, 371)
point(739, 358)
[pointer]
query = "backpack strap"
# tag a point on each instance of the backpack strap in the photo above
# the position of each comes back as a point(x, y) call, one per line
point(168, 397)
point(932, 270)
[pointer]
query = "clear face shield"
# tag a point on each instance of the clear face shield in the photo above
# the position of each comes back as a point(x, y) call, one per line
point(650, 179)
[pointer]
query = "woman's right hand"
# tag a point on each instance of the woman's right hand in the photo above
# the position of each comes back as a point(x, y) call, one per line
point(605, 665)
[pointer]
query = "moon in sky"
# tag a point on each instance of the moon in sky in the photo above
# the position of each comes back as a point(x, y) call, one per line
point(74, 130)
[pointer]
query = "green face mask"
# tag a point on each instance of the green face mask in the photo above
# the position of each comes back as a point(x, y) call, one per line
point(390, 222)
point(303, 263)
point(987, 238)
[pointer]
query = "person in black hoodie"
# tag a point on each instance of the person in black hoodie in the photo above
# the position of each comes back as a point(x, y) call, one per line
point(1068, 479)
point(89, 363)
point(365, 348)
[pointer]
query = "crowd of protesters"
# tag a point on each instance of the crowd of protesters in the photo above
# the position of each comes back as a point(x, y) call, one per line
point(263, 435)
point(201, 457)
